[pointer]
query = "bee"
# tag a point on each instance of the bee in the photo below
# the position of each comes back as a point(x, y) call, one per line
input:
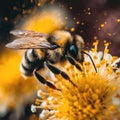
point(48, 49)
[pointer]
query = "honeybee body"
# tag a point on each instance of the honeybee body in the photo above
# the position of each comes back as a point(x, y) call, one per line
point(43, 49)
point(34, 59)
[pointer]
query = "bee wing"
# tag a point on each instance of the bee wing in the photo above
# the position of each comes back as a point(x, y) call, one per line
point(27, 33)
point(30, 42)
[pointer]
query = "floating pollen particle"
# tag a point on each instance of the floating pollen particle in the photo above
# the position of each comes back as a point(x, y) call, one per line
point(118, 20)
point(72, 29)
point(102, 25)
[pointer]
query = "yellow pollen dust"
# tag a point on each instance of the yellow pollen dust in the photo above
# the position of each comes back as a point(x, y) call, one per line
point(72, 29)
point(70, 8)
point(77, 22)
point(89, 13)
point(89, 9)
point(118, 20)
point(102, 25)
point(6, 18)
point(95, 37)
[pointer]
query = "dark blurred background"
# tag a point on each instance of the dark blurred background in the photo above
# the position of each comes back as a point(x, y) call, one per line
point(94, 20)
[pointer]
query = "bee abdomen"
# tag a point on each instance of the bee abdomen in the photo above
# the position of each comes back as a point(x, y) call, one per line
point(29, 62)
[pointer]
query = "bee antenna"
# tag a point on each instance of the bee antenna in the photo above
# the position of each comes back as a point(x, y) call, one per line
point(91, 60)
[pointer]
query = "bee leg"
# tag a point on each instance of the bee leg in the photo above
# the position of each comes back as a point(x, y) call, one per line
point(43, 81)
point(72, 61)
point(55, 70)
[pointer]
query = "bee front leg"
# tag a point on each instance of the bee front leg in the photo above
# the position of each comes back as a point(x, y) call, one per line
point(55, 70)
point(73, 62)
point(43, 81)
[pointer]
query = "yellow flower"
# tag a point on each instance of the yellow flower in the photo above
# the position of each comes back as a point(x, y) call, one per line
point(93, 96)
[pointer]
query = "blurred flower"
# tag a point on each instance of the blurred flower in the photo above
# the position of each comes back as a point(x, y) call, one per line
point(15, 92)
point(94, 95)
point(47, 19)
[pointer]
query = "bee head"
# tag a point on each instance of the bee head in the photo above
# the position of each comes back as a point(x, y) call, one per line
point(60, 38)
point(76, 47)
point(72, 45)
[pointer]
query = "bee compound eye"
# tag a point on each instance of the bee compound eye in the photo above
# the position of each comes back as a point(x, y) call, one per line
point(73, 51)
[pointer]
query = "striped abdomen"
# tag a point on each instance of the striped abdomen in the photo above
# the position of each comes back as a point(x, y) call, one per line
point(30, 61)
